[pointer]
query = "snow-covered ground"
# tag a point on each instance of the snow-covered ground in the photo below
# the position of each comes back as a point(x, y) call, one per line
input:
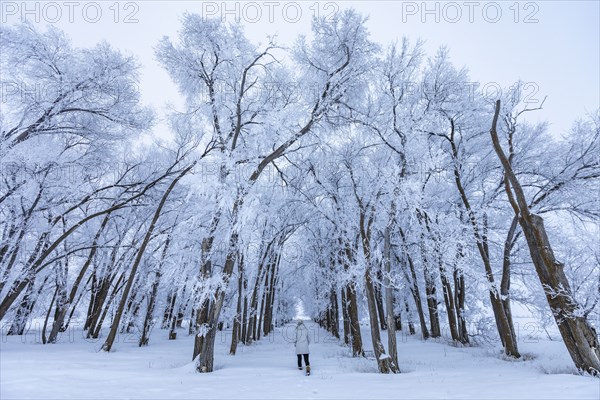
point(74, 368)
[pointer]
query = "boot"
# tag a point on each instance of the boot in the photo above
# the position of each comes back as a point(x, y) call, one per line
point(308, 370)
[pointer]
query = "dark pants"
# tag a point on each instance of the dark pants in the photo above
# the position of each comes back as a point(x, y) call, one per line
point(306, 362)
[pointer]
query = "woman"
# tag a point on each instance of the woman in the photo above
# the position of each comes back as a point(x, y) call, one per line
point(302, 341)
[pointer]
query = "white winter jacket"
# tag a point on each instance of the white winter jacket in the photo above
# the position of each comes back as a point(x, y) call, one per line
point(302, 338)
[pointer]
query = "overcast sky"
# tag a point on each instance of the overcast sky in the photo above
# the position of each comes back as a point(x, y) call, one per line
point(554, 45)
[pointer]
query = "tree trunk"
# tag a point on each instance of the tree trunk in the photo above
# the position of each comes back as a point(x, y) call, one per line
point(173, 323)
point(384, 363)
point(352, 304)
point(252, 314)
point(22, 315)
point(92, 302)
point(182, 306)
point(96, 326)
point(459, 298)
point(168, 311)
point(578, 335)
point(272, 293)
point(101, 286)
point(100, 291)
point(430, 293)
point(245, 312)
point(346, 317)
point(269, 291)
point(449, 302)
point(149, 319)
point(505, 282)
point(262, 303)
point(44, 339)
point(235, 332)
point(335, 314)
point(205, 361)
point(389, 299)
point(379, 301)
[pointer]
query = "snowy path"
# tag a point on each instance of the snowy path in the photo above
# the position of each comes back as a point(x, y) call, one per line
point(267, 369)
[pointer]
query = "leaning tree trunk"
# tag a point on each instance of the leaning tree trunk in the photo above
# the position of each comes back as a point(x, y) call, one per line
point(578, 335)
point(149, 319)
point(96, 328)
point(115, 325)
point(100, 291)
point(22, 315)
point(44, 340)
point(102, 280)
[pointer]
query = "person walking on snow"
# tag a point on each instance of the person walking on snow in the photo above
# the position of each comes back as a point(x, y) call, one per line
point(302, 341)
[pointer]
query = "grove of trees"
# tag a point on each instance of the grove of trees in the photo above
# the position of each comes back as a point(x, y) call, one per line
point(372, 181)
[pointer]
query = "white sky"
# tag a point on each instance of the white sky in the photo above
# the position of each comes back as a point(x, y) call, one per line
point(559, 54)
